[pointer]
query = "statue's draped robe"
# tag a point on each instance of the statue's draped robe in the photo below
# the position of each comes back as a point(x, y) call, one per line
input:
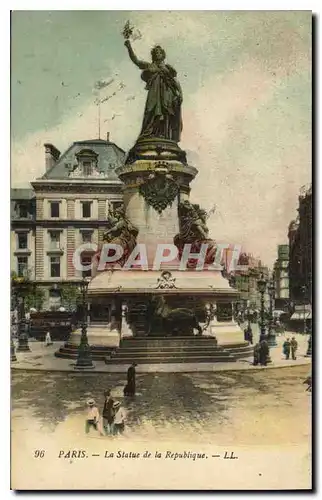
point(162, 115)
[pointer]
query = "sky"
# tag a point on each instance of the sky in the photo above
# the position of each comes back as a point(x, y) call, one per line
point(246, 80)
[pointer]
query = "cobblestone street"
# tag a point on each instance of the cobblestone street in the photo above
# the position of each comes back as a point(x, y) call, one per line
point(264, 417)
point(189, 406)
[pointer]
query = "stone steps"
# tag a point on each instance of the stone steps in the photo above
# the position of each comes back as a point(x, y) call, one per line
point(178, 358)
point(158, 350)
point(70, 351)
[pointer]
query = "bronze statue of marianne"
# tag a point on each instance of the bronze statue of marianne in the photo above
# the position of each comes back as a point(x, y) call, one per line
point(162, 115)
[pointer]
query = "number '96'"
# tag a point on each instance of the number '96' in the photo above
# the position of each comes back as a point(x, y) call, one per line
point(39, 453)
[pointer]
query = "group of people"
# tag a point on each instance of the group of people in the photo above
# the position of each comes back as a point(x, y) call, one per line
point(113, 419)
point(290, 347)
point(261, 353)
point(261, 350)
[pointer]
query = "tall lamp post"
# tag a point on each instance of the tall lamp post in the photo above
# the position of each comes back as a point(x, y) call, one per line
point(20, 285)
point(261, 286)
point(84, 357)
point(271, 339)
point(12, 351)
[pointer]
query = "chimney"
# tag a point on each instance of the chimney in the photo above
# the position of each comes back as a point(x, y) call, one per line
point(107, 137)
point(51, 156)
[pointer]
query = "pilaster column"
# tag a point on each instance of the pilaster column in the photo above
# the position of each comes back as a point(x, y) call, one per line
point(71, 244)
point(40, 256)
point(102, 209)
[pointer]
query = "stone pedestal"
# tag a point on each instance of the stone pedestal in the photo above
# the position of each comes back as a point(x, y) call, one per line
point(98, 334)
point(156, 178)
point(227, 332)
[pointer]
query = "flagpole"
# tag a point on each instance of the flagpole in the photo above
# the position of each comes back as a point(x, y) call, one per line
point(99, 113)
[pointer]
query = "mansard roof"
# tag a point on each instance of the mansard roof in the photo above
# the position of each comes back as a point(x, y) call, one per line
point(109, 157)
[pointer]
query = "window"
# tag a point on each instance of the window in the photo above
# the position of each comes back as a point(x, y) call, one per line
point(54, 239)
point(86, 207)
point(87, 236)
point(86, 261)
point(116, 205)
point(54, 209)
point(23, 211)
point(55, 267)
point(22, 266)
point(87, 168)
point(22, 240)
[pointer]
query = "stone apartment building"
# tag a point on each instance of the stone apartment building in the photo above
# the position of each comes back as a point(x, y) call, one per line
point(246, 281)
point(66, 207)
point(300, 249)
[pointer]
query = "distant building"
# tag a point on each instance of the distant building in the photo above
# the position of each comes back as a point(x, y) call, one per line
point(68, 206)
point(281, 273)
point(245, 281)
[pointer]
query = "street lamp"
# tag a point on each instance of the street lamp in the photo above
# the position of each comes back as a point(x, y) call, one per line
point(20, 286)
point(261, 286)
point(271, 339)
point(84, 357)
point(12, 351)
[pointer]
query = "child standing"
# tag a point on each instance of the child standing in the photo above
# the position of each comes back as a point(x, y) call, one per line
point(119, 418)
point(92, 420)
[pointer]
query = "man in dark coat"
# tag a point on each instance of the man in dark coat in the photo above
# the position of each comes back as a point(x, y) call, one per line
point(263, 352)
point(287, 348)
point(129, 389)
point(256, 354)
point(293, 348)
point(108, 413)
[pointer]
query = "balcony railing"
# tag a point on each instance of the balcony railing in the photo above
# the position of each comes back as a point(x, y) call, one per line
point(18, 216)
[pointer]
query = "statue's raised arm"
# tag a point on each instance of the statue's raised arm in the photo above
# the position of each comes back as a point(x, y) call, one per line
point(162, 114)
point(134, 59)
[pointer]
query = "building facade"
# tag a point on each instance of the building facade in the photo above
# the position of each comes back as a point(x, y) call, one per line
point(246, 281)
point(300, 250)
point(67, 207)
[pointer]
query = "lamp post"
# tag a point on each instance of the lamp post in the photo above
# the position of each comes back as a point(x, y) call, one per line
point(84, 357)
point(12, 351)
point(271, 338)
point(20, 286)
point(261, 286)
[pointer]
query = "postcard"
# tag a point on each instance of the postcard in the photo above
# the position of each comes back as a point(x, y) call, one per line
point(161, 250)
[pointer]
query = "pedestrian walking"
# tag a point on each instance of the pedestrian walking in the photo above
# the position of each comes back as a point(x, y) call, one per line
point(263, 352)
point(294, 346)
point(248, 334)
point(256, 354)
point(129, 389)
point(287, 348)
point(93, 417)
point(48, 340)
point(108, 413)
point(119, 418)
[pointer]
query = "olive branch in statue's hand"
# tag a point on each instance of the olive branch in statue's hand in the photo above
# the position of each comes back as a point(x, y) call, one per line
point(127, 31)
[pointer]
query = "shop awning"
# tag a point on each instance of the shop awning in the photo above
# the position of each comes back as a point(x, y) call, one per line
point(302, 313)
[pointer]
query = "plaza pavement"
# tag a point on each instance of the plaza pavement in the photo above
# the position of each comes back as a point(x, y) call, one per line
point(42, 358)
